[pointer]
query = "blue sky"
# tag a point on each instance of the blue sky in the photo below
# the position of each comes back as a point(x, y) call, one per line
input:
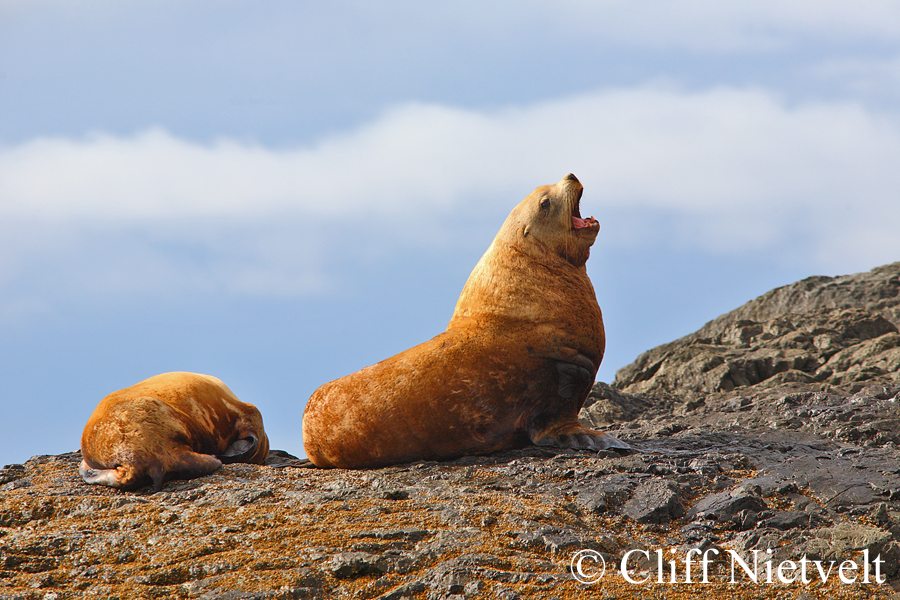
point(281, 193)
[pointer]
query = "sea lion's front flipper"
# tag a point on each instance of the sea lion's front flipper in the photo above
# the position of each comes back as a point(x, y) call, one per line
point(576, 371)
point(187, 465)
point(240, 449)
point(574, 380)
point(157, 475)
point(566, 355)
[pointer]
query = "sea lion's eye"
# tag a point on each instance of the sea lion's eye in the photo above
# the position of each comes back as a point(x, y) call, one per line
point(545, 203)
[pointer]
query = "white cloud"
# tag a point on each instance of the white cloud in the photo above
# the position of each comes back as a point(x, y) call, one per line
point(738, 170)
point(652, 146)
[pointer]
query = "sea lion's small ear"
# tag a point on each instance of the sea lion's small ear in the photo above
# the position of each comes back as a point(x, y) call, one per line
point(525, 231)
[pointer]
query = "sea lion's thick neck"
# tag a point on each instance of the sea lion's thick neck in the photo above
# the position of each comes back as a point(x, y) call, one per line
point(534, 271)
point(512, 282)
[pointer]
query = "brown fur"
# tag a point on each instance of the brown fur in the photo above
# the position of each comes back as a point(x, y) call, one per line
point(171, 426)
point(514, 367)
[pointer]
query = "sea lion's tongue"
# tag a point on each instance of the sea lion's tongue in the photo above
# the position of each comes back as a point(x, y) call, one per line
point(579, 223)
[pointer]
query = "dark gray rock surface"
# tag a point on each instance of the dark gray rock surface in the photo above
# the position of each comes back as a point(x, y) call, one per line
point(774, 430)
point(834, 330)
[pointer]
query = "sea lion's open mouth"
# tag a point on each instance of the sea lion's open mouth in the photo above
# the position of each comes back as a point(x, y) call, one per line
point(577, 221)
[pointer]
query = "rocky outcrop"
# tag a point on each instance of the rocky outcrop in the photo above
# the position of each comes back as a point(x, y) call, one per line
point(839, 331)
point(773, 432)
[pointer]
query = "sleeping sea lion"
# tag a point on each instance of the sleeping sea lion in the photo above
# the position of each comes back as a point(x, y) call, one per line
point(171, 426)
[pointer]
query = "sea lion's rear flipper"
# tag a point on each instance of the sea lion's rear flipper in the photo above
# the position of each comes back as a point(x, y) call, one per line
point(110, 477)
point(240, 449)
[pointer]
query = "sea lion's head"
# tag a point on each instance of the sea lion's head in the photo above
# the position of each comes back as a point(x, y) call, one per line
point(549, 221)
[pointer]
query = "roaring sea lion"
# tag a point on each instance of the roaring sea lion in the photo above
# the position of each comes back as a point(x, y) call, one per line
point(171, 426)
point(514, 367)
